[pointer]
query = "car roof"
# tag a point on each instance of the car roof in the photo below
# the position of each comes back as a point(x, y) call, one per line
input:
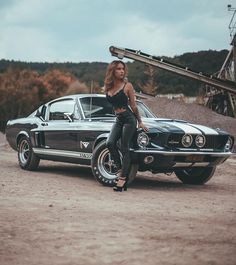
point(74, 96)
point(78, 96)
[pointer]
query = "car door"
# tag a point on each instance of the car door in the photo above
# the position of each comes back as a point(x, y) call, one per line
point(60, 129)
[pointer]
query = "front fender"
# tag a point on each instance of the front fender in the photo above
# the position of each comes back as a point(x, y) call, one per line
point(19, 135)
point(100, 138)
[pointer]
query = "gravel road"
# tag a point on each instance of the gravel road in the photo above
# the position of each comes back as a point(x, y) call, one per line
point(61, 215)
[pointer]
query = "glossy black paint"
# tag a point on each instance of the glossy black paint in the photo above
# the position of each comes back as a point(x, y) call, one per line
point(71, 134)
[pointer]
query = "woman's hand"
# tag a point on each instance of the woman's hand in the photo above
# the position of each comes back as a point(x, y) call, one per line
point(141, 125)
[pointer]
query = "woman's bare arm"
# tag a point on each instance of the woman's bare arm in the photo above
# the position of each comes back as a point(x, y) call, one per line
point(131, 95)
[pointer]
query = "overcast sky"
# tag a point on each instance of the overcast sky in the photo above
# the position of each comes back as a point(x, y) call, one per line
point(83, 30)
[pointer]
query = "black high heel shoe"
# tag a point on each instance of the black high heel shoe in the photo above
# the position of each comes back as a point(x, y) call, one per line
point(118, 174)
point(121, 188)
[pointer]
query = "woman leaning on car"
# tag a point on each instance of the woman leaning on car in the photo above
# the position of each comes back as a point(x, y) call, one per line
point(121, 95)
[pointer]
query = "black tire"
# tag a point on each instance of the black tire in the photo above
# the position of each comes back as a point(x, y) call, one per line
point(26, 157)
point(103, 168)
point(195, 176)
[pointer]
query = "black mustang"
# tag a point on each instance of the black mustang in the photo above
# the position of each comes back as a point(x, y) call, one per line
point(74, 129)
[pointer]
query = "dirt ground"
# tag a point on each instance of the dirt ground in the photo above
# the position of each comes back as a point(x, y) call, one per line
point(61, 215)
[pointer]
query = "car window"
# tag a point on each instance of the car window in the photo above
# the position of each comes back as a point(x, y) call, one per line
point(144, 111)
point(41, 110)
point(59, 108)
point(96, 107)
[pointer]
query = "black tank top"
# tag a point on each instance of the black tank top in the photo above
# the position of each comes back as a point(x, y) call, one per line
point(119, 100)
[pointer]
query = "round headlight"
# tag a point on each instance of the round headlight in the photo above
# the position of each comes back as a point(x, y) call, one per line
point(142, 140)
point(200, 140)
point(229, 144)
point(187, 140)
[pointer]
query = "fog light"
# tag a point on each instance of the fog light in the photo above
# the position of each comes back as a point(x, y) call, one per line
point(148, 159)
point(187, 140)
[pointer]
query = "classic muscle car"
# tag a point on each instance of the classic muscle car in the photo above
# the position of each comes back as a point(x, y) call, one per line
point(74, 129)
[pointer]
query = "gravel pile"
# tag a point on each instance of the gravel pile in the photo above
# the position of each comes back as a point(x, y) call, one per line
point(174, 109)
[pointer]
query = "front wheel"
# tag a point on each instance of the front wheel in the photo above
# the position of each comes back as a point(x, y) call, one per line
point(104, 169)
point(26, 157)
point(195, 176)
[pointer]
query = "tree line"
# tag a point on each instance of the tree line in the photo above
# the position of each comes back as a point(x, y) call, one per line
point(26, 85)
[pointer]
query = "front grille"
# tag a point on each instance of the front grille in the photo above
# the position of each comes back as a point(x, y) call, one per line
point(212, 141)
point(174, 140)
point(159, 139)
point(215, 141)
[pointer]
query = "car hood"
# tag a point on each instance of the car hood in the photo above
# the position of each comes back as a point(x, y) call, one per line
point(178, 126)
point(172, 126)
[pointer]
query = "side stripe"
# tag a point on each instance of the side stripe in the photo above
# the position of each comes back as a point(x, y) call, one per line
point(64, 153)
point(189, 128)
point(206, 130)
point(185, 127)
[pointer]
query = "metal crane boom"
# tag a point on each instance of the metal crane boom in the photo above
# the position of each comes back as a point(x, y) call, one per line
point(226, 85)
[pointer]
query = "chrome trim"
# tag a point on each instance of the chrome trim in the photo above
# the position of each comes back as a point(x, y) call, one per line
point(24, 152)
point(72, 126)
point(183, 140)
point(139, 139)
point(157, 146)
point(204, 140)
point(199, 149)
point(230, 145)
point(24, 133)
point(181, 153)
point(148, 159)
point(173, 142)
point(198, 164)
point(63, 153)
point(82, 111)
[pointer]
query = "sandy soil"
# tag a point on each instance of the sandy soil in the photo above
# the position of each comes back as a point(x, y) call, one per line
point(61, 215)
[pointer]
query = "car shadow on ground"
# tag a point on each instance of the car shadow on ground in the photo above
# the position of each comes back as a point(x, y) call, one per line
point(141, 182)
point(69, 170)
point(163, 184)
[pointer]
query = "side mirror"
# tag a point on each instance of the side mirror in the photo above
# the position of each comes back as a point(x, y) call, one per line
point(38, 113)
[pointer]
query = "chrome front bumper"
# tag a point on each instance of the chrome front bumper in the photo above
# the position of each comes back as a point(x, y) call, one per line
point(182, 153)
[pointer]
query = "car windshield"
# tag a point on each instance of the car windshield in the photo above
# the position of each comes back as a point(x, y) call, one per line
point(95, 107)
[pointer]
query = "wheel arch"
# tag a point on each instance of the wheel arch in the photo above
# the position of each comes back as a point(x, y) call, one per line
point(100, 138)
point(20, 135)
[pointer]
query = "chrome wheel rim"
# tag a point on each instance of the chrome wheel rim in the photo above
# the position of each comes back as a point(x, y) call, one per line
point(106, 165)
point(24, 152)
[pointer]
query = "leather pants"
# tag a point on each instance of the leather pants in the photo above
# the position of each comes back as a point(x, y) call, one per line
point(124, 128)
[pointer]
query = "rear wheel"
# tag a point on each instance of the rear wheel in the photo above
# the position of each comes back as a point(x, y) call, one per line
point(195, 176)
point(26, 157)
point(104, 169)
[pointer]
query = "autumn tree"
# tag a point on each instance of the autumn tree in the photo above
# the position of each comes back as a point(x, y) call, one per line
point(22, 91)
point(56, 83)
point(149, 87)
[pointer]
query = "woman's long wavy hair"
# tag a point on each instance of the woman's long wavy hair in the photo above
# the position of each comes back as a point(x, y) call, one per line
point(110, 74)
